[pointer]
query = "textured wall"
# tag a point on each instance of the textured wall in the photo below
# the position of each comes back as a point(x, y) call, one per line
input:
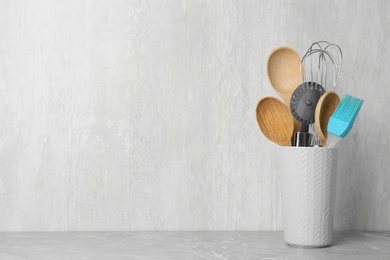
point(129, 115)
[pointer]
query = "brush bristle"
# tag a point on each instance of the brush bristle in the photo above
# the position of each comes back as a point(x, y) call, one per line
point(348, 108)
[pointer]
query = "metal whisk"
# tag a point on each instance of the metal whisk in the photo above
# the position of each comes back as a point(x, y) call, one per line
point(321, 64)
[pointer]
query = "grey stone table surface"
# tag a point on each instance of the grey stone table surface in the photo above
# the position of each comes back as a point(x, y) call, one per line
point(186, 245)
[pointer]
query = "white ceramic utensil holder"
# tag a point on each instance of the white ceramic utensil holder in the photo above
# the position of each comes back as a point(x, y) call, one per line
point(309, 186)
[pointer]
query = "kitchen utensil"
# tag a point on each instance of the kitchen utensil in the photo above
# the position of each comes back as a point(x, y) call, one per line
point(324, 110)
point(302, 105)
point(275, 120)
point(284, 73)
point(321, 64)
point(341, 122)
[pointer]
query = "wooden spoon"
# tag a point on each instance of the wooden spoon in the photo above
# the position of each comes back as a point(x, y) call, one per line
point(275, 120)
point(283, 67)
point(324, 110)
point(284, 74)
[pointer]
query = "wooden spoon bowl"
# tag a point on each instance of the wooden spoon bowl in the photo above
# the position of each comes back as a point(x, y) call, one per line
point(283, 67)
point(284, 74)
point(275, 120)
point(325, 108)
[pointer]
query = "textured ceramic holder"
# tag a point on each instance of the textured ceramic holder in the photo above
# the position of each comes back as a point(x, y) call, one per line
point(309, 187)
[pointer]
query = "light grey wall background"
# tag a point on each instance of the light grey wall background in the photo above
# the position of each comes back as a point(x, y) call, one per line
point(140, 115)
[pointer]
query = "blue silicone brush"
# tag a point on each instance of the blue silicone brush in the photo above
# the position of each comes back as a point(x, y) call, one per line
point(341, 122)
